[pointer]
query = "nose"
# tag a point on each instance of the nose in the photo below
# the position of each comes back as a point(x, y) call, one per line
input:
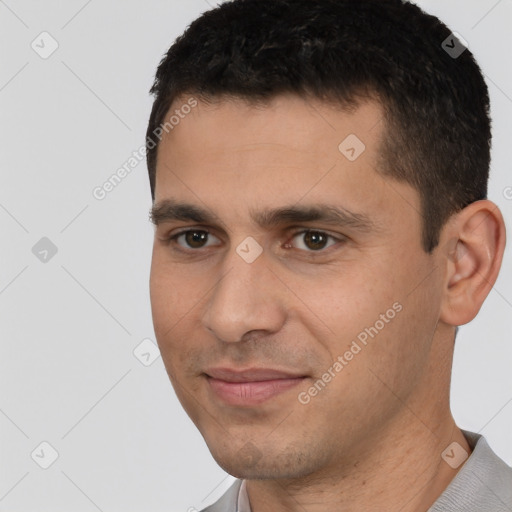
point(246, 298)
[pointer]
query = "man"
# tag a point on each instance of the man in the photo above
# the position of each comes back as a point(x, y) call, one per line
point(319, 174)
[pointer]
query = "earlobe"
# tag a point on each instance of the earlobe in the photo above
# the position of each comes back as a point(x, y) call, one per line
point(472, 246)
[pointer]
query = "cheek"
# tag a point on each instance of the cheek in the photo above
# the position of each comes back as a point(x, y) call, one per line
point(376, 307)
point(167, 307)
point(161, 292)
point(175, 299)
point(398, 344)
point(170, 294)
point(348, 300)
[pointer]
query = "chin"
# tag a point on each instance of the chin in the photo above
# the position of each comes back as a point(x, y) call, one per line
point(253, 463)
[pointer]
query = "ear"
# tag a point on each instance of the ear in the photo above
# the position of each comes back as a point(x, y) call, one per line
point(472, 245)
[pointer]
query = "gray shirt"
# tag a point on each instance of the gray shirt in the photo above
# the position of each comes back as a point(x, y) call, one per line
point(483, 484)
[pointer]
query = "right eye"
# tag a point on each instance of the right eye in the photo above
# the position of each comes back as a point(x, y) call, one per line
point(193, 238)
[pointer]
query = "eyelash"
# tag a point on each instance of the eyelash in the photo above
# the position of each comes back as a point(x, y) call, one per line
point(172, 240)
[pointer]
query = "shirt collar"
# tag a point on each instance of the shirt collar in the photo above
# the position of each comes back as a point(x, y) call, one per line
point(243, 504)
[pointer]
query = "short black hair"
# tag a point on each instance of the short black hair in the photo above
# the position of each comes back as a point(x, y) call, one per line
point(437, 126)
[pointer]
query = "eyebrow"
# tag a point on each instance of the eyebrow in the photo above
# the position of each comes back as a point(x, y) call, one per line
point(169, 210)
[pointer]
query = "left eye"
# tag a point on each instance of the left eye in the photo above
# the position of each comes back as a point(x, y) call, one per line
point(314, 240)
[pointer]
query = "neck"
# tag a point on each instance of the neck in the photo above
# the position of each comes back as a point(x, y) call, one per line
point(399, 468)
point(403, 471)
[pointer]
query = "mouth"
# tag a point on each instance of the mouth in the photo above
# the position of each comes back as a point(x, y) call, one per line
point(252, 386)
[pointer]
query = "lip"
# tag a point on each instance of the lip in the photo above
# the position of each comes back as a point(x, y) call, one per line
point(251, 386)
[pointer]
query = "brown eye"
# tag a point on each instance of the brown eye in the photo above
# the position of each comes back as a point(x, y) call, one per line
point(194, 239)
point(314, 240)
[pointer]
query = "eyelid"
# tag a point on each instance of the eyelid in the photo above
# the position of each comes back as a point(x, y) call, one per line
point(172, 238)
point(338, 238)
point(180, 231)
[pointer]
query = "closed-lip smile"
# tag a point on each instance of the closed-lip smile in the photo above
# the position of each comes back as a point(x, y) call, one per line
point(251, 386)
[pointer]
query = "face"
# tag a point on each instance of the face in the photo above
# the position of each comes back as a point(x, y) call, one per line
point(292, 300)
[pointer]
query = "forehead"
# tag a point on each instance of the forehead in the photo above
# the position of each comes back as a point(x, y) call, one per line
point(283, 124)
point(286, 132)
point(236, 158)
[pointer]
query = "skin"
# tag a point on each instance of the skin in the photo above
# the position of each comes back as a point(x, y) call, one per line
point(372, 438)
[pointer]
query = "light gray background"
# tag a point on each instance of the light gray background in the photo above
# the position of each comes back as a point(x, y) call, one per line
point(69, 325)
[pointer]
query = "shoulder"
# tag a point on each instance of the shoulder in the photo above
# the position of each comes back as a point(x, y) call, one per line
point(484, 482)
